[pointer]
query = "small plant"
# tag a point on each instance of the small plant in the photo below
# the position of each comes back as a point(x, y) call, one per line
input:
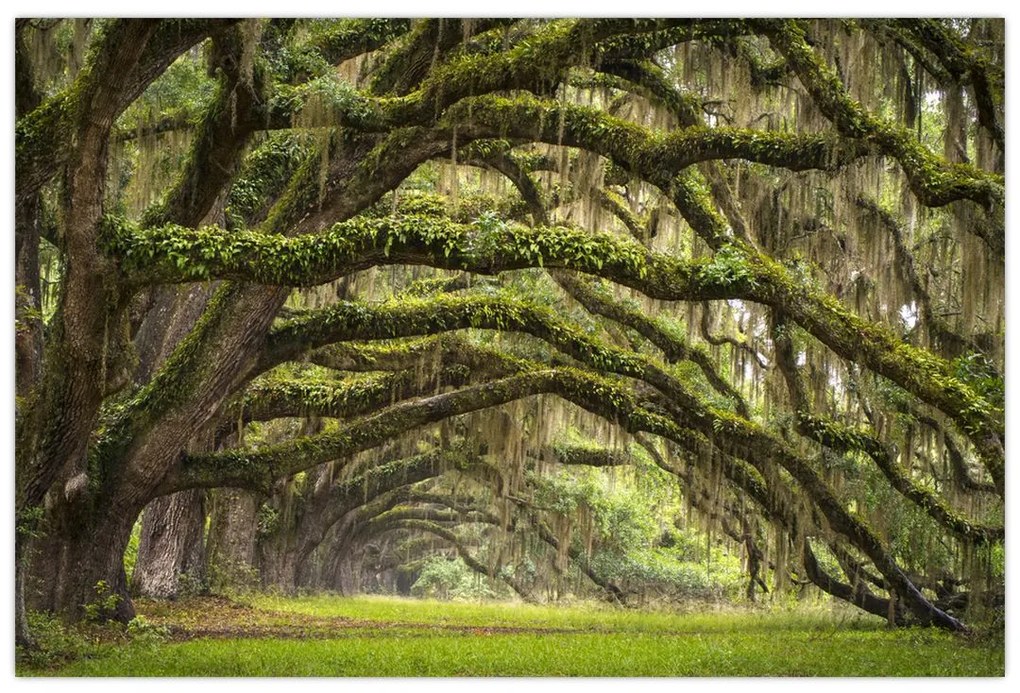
point(190, 584)
point(233, 578)
point(105, 606)
point(145, 631)
point(55, 643)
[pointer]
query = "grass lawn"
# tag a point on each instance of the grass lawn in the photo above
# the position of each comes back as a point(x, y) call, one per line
point(365, 636)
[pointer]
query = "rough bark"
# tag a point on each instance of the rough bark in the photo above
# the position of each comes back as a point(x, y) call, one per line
point(76, 569)
point(171, 551)
point(230, 546)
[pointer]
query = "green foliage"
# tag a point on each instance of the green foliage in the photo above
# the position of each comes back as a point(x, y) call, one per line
point(267, 521)
point(182, 93)
point(142, 630)
point(656, 573)
point(105, 605)
point(729, 266)
point(56, 643)
point(443, 578)
point(131, 552)
point(29, 523)
point(190, 584)
point(980, 373)
point(630, 522)
point(267, 168)
point(229, 577)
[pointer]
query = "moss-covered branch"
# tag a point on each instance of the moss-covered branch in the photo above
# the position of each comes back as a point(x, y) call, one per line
point(964, 62)
point(589, 456)
point(427, 44)
point(44, 137)
point(536, 64)
point(180, 254)
point(656, 156)
point(350, 38)
point(844, 439)
point(855, 593)
point(447, 348)
point(933, 180)
point(272, 398)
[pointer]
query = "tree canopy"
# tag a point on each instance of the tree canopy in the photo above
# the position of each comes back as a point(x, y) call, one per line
point(393, 278)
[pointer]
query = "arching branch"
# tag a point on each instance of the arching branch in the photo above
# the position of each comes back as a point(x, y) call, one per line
point(935, 182)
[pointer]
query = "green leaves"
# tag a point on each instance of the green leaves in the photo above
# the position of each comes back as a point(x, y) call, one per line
point(730, 266)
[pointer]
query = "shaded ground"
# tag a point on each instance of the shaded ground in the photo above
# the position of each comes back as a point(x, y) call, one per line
point(217, 617)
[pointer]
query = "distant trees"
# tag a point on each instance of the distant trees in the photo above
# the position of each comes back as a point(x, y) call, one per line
point(765, 256)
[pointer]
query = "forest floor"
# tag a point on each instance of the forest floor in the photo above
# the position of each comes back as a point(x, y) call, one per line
point(374, 636)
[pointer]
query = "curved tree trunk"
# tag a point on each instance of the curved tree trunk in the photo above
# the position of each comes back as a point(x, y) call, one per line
point(345, 574)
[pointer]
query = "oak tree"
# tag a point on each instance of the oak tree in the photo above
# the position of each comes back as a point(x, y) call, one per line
point(766, 254)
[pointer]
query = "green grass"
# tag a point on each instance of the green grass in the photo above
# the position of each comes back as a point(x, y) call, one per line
point(586, 617)
point(392, 637)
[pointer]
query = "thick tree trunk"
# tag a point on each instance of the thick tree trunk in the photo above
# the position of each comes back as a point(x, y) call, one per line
point(170, 315)
point(347, 577)
point(171, 552)
point(79, 572)
point(231, 543)
point(344, 570)
point(22, 635)
point(278, 568)
point(308, 573)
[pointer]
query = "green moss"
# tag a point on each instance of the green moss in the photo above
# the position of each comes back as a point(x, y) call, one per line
point(932, 179)
point(843, 438)
point(180, 254)
point(339, 40)
point(268, 168)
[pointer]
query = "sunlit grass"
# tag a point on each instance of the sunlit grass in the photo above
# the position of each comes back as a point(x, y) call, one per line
point(369, 636)
point(790, 653)
point(589, 616)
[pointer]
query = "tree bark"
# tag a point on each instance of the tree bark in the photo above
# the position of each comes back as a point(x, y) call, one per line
point(231, 543)
point(171, 546)
point(76, 569)
point(278, 568)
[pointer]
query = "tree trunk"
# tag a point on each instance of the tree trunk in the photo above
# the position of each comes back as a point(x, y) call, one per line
point(171, 553)
point(79, 572)
point(231, 542)
point(344, 569)
point(346, 578)
point(308, 573)
point(278, 567)
point(22, 635)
